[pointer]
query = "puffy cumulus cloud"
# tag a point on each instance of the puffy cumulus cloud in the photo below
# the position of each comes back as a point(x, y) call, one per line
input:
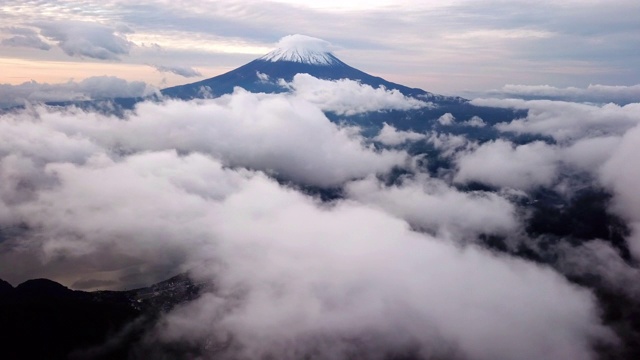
point(88, 39)
point(446, 119)
point(93, 88)
point(389, 135)
point(621, 173)
point(450, 144)
point(184, 71)
point(500, 163)
point(349, 97)
point(432, 205)
point(566, 121)
point(593, 93)
point(265, 132)
point(475, 121)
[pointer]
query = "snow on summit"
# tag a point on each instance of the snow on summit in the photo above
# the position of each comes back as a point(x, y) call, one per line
point(302, 49)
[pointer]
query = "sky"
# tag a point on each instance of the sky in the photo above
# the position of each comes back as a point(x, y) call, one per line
point(449, 47)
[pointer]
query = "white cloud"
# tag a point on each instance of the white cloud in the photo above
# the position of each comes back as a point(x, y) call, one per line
point(431, 205)
point(565, 121)
point(446, 119)
point(621, 173)
point(389, 135)
point(502, 164)
point(348, 97)
point(590, 154)
point(260, 131)
point(262, 77)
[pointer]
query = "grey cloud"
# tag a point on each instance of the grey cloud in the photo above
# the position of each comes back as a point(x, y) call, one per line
point(621, 95)
point(98, 87)
point(33, 41)
point(24, 37)
point(93, 40)
point(184, 71)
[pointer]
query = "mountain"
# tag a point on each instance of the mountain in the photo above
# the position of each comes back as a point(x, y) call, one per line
point(295, 54)
point(42, 319)
point(299, 54)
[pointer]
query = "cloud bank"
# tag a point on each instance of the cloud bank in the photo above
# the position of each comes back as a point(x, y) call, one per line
point(618, 94)
point(93, 88)
point(231, 190)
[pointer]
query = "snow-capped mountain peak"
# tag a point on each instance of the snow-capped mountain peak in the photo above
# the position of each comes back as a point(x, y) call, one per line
point(302, 49)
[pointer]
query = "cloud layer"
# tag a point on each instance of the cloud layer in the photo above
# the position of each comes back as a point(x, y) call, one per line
point(211, 186)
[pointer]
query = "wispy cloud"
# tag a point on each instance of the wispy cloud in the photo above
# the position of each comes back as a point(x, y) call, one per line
point(184, 71)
